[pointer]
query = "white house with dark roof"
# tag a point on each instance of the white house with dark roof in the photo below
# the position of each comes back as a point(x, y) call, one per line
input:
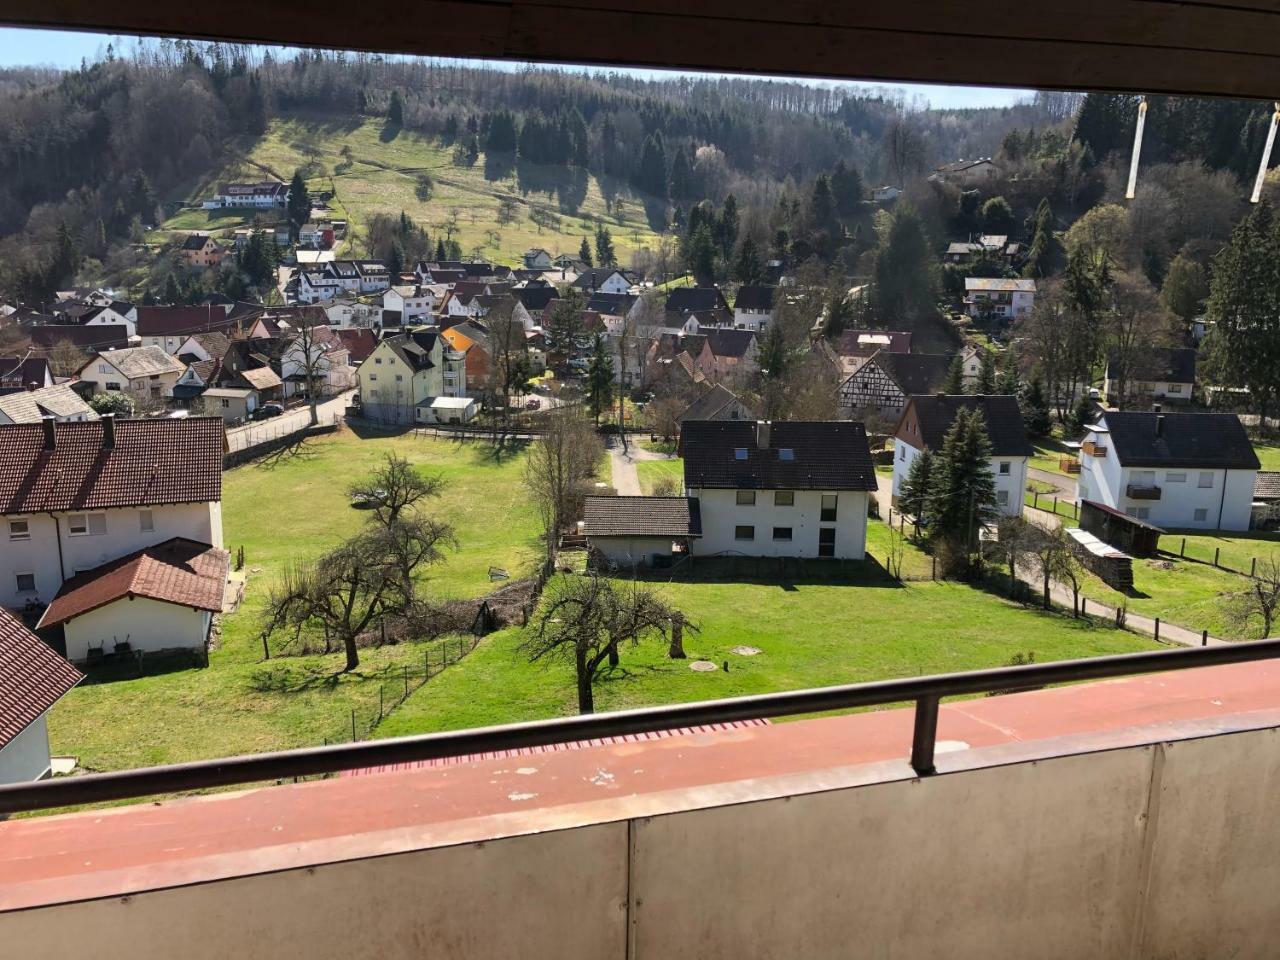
point(791, 489)
point(74, 496)
point(924, 424)
point(32, 679)
point(753, 307)
point(1175, 470)
point(999, 297)
point(1165, 374)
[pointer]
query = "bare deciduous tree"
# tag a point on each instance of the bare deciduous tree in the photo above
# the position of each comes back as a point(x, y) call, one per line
point(560, 464)
point(1261, 602)
point(396, 487)
point(588, 619)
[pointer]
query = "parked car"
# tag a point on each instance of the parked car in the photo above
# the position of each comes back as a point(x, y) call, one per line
point(533, 403)
point(268, 410)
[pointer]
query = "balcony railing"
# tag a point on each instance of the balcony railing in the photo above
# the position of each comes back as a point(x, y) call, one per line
point(926, 692)
point(1093, 449)
point(1142, 491)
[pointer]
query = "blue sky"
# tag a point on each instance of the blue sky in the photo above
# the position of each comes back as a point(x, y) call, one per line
point(66, 49)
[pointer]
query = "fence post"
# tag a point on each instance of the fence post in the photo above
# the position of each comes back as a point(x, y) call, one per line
point(1035, 499)
point(1215, 555)
point(933, 573)
point(382, 704)
point(1182, 550)
point(1157, 634)
point(1204, 638)
point(1055, 506)
point(1083, 601)
point(1253, 566)
point(1117, 617)
point(406, 681)
point(353, 724)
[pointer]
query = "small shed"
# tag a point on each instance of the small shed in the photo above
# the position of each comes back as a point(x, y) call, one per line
point(233, 404)
point(640, 531)
point(1129, 534)
point(446, 409)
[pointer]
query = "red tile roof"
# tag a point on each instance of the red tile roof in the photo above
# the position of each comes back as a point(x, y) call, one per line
point(32, 677)
point(153, 461)
point(359, 343)
point(178, 571)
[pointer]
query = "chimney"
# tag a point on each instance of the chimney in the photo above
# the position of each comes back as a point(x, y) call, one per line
point(1155, 407)
point(1159, 424)
point(50, 440)
point(762, 434)
point(108, 431)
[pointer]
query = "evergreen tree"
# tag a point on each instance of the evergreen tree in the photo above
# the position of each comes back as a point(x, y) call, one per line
point(440, 251)
point(299, 206)
point(1008, 383)
point(986, 385)
point(651, 175)
point(913, 497)
point(501, 136)
point(962, 488)
point(840, 312)
point(142, 198)
point(727, 227)
point(774, 357)
point(599, 379)
point(700, 254)
point(1035, 410)
point(846, 188)
point(1186, 285)
point(1244, 302)
point(395, 110)
point(904, 280)
point(747, 268)
point(822, 205)
point(997, 216)
point(681, 175)
point(584, 253)
point(605, 255)
point(564, 321)
point(1081, 415)
point(954, 383)
point(171, 294)
point(395, 262)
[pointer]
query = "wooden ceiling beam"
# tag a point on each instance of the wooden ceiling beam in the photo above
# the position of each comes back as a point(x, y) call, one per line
point(1200, 47)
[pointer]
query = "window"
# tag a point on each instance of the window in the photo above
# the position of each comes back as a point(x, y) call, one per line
point(828, 508)
point(902, 452)
point(1005, 467)
point(784, 498)
point(744, 533)
point(399, 378)
point(26, 582)
point(377, 360)
point(146, 521)
point(827, 542)
point(1140, 512)
point(102, 368)
point(786, 453)
point(746, 498)
point(19, 530)
point(373, 376)
point(1002, 498)
point(113, 385)
point(782, 533)
point(1175, 478)
point(226, 404)
point(87, 524)
point(1201, 515)
point(740, 453)
point(1206, 478)
point(1174, 388)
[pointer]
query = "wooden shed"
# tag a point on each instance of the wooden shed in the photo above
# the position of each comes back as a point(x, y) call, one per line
point(1135, 537)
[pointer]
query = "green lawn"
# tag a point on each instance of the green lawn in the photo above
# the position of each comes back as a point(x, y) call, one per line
point(380, 176)
point(1064, 507)
point(1190, 590)
point(1268, 453)
point(1048, 456)
point(811, 634)
point(649, 472)
point(291, 511)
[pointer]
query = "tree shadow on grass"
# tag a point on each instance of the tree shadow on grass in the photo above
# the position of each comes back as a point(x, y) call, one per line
point(296, 450)
point(389, 131)
point(787, 574)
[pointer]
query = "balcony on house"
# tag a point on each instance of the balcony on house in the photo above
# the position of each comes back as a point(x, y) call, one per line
point(1093, 448)
point(1142, 491)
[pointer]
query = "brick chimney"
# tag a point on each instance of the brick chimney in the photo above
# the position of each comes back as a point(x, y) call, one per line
point(108, 431)
point(50, 438)
point(762, 434)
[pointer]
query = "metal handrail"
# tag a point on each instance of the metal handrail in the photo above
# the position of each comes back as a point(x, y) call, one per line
point(926, 692)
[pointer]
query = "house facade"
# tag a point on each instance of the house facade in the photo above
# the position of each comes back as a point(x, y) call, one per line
point(1174, 470)
point(415, 303)
point(537, 259)
point(1167, 375)
point(753, 307)
point(265, 195)
point(999, 298)
point(924, 425)
point(199, 251)
point(33, 680)
point(147, 374)
point(791, 489)
point(969, 173)
point(884, 380)
point(31, 406)
point(407, 370)
point(78, 495)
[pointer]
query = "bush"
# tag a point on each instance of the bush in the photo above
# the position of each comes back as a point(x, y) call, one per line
point(112, 402)
point(666, 486)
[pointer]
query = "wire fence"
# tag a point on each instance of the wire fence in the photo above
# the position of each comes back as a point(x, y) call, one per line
point(266, 431)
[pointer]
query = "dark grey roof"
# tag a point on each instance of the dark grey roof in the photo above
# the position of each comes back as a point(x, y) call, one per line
point(114, 336)
point(1005, 426)
point(729, 342)
point(1207, 440)
point(690, 299)
point(1266, 486)
point(593, 277)
point(1176, 365)
point(709, 404)
point(914, 372)
point(754, 298)
point(642, 517)
point(613, 304)
point(824, 455)
point(414, 348)
point(195, 241)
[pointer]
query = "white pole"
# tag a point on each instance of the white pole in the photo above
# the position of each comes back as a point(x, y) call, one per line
point(1137, 149)
point(1266, 156)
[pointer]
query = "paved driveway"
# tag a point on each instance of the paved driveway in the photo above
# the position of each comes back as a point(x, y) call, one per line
point(238, 438)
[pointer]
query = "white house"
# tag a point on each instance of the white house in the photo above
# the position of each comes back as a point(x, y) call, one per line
point(33, 679)
point(115, 313)
point(407, 369)
point(603, 280)
point(1175, 470)
point(753, 307)
point(31, 406)
point(792, 489)
point(74, 496)
point(1158, 374)
point(924, 424)
point(352, 313)
point(998, 297)
point(327, 358)
point(415, 303)
point(265, 195)
point(633, 531)
point(233, 404)
point(886, 194)
point(154, 600)
point(971, 360)
point(144, 373)
point(537, 259)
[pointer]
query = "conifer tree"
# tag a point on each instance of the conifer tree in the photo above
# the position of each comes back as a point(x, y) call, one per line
point(599, 380)
point(954, 383)
point(913, 496)
point(962, 488)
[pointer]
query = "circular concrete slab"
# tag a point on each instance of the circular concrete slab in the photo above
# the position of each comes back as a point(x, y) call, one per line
point(745, 651)
point(703, 666)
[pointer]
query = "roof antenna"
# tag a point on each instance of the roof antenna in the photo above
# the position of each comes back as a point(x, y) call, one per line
point(1137, 149)
point(1266, 155)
